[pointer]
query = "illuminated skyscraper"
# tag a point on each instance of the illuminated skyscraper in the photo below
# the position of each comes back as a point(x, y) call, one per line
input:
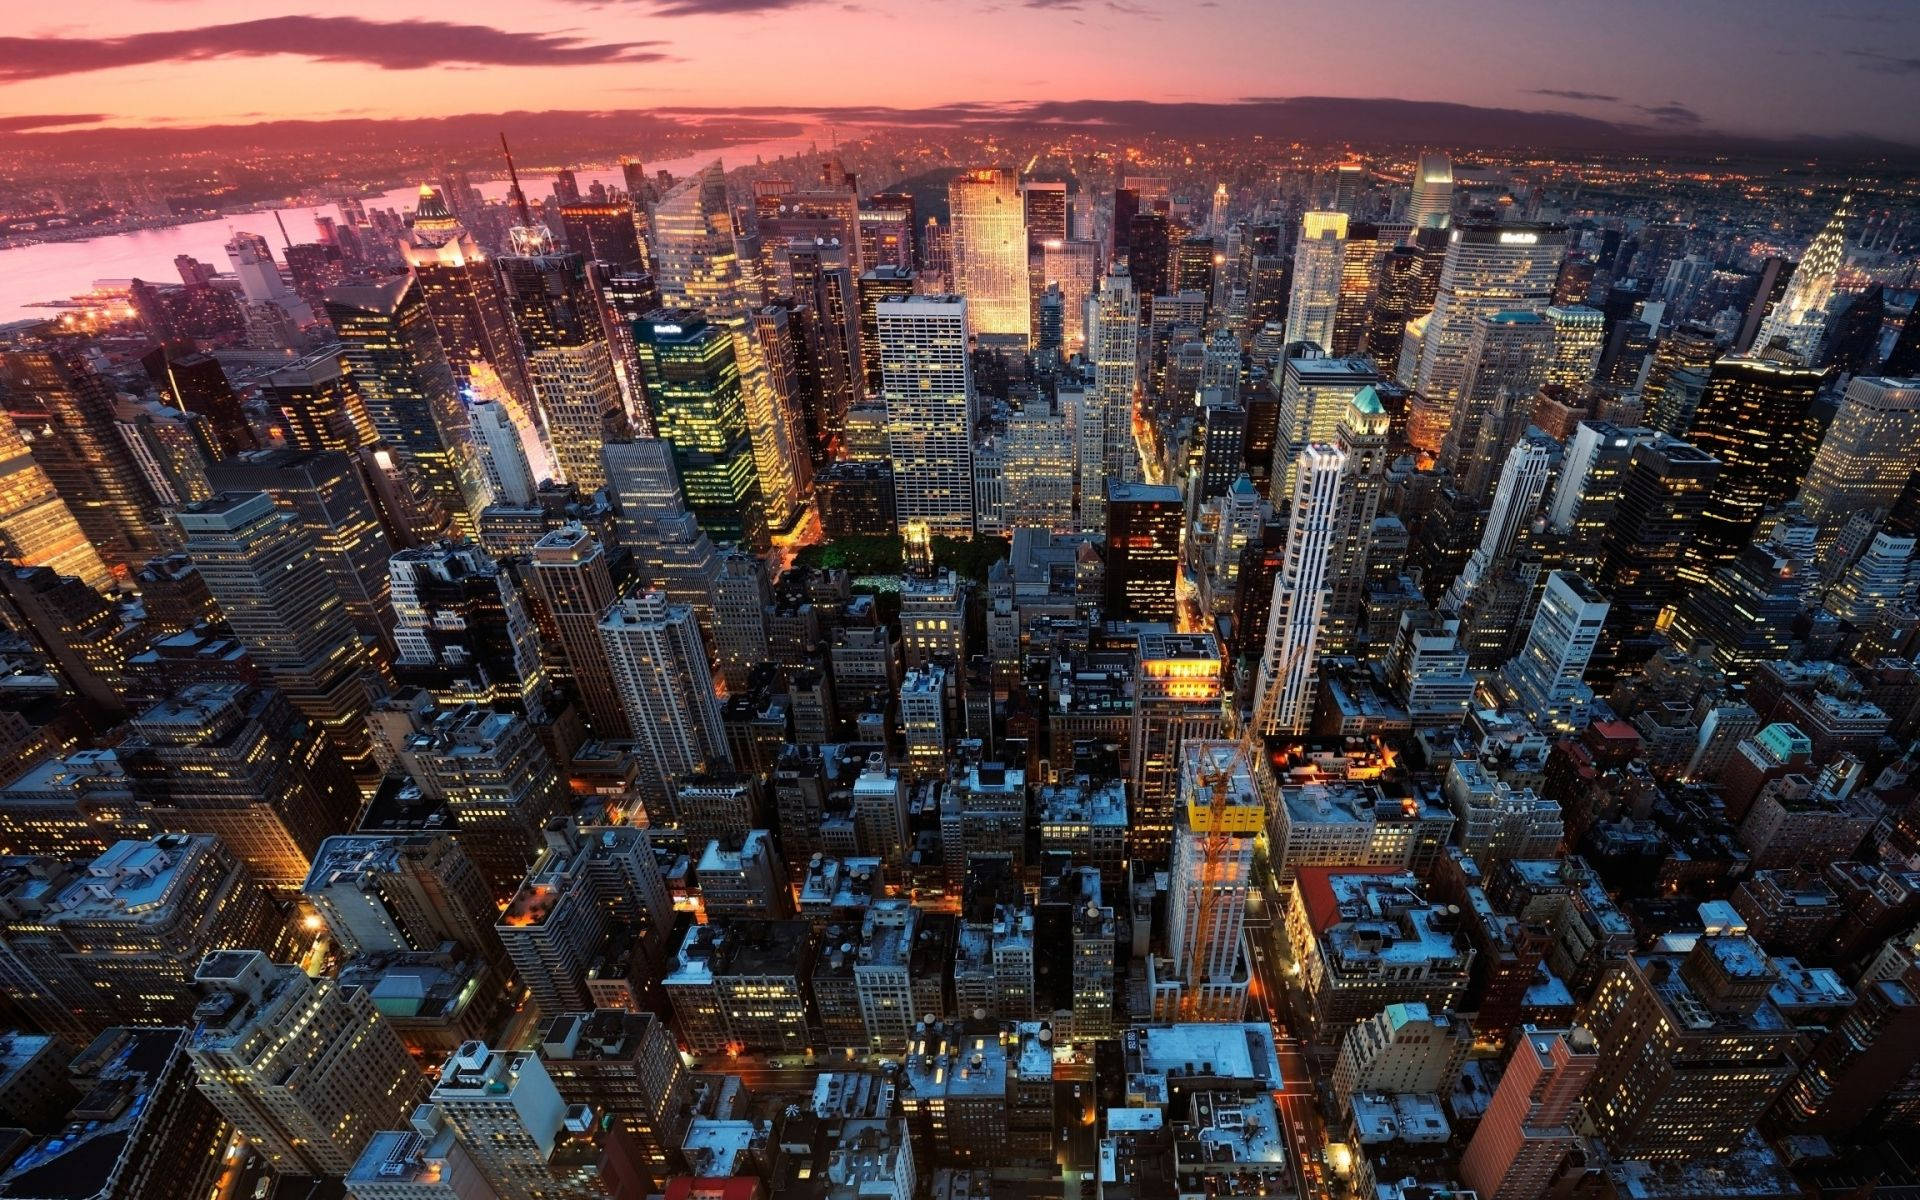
point(570, 570)
point(1755, 420)
point(503, 457)
point(1317, 262)
point(1431, 205)
point(37, 529)
point(659, 669)
point(1177, 699)
point(603, 232)
point(308, 1070)
point(1663, 492)
point(1106, 414)
point(1870, 448)
point(1548, 674)
point(990, 252)
point(927, 383)
point(557, 314)
point(1523, 482)
point(1487, 269)
point(1579, 334)
point(64, 412)
point(462, 290)
point(694, 382)
point(393, 353)
point(699, 266)
point(1800, 318)
point(464, 631)
point(1073, 267)
point(1507, 360)
point(280, 602)
point(319, 403)
point(1045, 212)
point(1143, 552)
point(1362, 437)
point(1315, 395)
point(1283, 692)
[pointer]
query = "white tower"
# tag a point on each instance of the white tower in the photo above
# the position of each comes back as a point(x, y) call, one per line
point(659, 670)
point(1318, 262)
point(1283, 694)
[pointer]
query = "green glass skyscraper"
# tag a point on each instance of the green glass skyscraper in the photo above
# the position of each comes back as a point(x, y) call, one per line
point(694, 382)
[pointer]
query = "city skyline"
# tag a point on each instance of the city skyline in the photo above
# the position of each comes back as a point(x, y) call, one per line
point(1577, 69)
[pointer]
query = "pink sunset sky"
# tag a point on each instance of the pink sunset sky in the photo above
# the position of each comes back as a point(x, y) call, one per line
point(1770, 67)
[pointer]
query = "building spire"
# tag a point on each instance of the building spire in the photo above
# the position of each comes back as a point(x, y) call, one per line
point(514, 193)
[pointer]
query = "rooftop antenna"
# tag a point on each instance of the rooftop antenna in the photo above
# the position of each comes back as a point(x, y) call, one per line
point(514, 193)
point(283, 229)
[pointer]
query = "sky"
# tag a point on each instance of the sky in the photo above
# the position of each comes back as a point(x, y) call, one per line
point(1772, 68)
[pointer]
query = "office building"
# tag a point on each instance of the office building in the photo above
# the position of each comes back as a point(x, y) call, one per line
point(1798, 322)
point(1283, 692)
point(37, 529)
point(989, 247)
point(659, 672)
point(1318, 259)
point(1870, 448)
point(239, 762)
point(1177, 699)
point(927, 383)
point(1523, 483)
point(627, 1065)
point(1316, 394)
point(115, 938)
point(381, 893)
point(507, 1115)
point(1403, 1049)
point(132, 1126)
point(306, 1069)
point(393, 351)
point(1105, 425)
point(1531, 1125)
point(700, 266)
point(1662, 495)
point(64, 412)
point(1206, 911)
point(694, 384)
point(1431, 204)
point(570, 572)
point(1144, 523)
point(464, 631)
point(1754, 419)
point(1692, 1049)
point(279, 600)
point(1487, 269)
point(1548, 674)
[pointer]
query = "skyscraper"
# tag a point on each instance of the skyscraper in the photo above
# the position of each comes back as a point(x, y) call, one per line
point(1799, 320)
point(1665, 488)
point(1144, 523)
point(694, 382)
point(1523, 482)
point(1176, 700)
point(278, 599)
point(1318, 259)
point(308, 1070)
point(1870, 448)
point(1579, 334)
point(603, 232)
point(1362, 436)
point(394, 353)
point(37, 529)
point(1487, 269)
point(63, 410)
point(1431, 204)
point(461, 287)
point(1106, 414)
point(1207, 905)
point(1283, 692)
point(927, 383)
point(1692, 1049)
point(568, 360)
point(570, 570)
point(238, 762)
point(659, 669)
point(700, 266)
point(990, 252)
point(1548, 674)
point(1754, 419)
point(1530, 1126)
point(464, 631)
point(1316, 392)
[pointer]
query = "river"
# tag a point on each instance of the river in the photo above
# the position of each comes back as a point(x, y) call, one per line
point(32, 275)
